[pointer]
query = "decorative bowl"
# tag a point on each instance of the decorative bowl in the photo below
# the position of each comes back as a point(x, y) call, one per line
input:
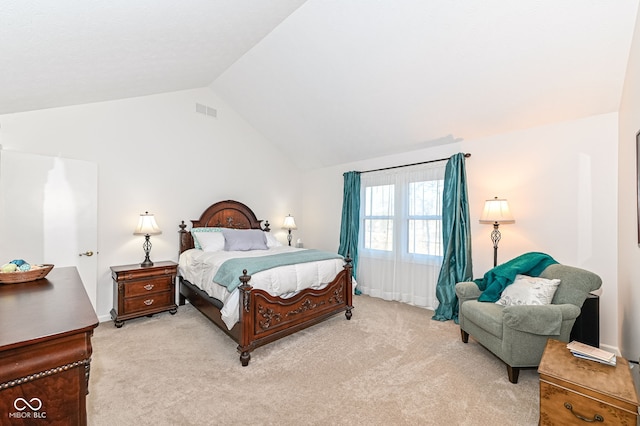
point(35, 273)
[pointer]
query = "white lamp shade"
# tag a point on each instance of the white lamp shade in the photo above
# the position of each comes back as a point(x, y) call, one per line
point(147, 225)
point(496, 210)
point(289, 223)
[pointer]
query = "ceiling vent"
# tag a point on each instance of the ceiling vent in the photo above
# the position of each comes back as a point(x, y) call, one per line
point(206, 110)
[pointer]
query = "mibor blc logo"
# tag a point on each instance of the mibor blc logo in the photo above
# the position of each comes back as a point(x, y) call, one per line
point(30, 409)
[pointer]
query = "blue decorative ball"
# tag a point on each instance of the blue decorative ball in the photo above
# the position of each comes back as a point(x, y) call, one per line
point(24, 267)
point(18, 262)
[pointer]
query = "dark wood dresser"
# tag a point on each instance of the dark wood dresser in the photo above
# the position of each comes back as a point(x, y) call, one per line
point(45, 350)
point(576, 391)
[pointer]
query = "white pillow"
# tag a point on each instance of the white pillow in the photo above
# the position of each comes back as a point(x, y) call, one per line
point(199, 231)
point(527, 290)
point(211, 241)
point(271, 240)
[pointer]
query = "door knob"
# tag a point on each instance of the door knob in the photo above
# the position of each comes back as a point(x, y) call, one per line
point(86, 253)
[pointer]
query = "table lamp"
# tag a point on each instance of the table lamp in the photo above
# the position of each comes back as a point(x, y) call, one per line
point(289, 223)
point(147, 226)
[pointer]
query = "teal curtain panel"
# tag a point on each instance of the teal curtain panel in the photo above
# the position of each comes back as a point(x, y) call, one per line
point(456, 234)
point(350, 219)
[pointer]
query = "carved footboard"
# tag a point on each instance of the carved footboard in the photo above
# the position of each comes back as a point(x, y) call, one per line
point(265, 318)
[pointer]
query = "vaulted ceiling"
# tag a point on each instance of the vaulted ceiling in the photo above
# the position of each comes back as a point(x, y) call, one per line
point(329, 81)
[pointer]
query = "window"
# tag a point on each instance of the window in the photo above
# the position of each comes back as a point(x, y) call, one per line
point(400, 242)
point(417, 224)
point(378, 217)
point(425, 217)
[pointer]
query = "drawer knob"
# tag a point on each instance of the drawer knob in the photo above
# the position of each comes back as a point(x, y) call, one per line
point(148, 302)
point(596, 417)
point(148, 287)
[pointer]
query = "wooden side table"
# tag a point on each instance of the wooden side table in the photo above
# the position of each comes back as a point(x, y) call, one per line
point(575, 391)
point(140, 291)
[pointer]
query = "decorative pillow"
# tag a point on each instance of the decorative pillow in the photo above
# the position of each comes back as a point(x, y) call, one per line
point(527, 290)
point(196, 231)
point(211, 241)
point(271, 240)
point(244, 239)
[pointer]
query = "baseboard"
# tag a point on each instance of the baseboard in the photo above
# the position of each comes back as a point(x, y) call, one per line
point(609, 348)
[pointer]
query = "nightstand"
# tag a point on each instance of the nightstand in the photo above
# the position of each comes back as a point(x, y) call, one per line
point(139, 291)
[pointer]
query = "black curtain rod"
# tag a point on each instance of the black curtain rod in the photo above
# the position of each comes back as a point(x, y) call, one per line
point(466, 155)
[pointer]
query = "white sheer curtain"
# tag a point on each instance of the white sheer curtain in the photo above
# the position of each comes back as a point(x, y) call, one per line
point(400, 239)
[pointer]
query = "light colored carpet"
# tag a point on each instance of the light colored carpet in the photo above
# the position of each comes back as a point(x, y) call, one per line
point(390, 365)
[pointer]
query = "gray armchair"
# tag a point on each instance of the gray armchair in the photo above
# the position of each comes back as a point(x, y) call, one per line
point(518, 334)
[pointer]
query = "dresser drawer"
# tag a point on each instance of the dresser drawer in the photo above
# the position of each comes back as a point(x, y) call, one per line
point(148, 302)
point(143, 273)
point(561, 406)
point(150, 285)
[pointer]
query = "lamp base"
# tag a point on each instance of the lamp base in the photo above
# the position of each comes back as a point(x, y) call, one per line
point(147, 249)
point(495, 238)
point(146, 263)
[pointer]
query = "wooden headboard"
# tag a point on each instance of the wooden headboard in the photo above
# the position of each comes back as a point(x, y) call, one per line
point(223, 214)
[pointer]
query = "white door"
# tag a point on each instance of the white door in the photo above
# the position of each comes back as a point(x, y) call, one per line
point(48, 213)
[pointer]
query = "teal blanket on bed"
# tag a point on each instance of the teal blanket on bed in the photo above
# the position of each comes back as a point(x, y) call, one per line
point(497, 279)
point(229, 273)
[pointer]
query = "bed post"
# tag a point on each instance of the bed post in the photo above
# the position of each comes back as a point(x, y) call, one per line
point(186, 241)
point(246, 320)
point(349, 267)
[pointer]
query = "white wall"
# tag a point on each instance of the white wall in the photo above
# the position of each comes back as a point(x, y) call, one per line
point(560, 181)
point(156, 154)
point(628, 247)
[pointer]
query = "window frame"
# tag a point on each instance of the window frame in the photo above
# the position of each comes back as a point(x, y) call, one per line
point(401, 224)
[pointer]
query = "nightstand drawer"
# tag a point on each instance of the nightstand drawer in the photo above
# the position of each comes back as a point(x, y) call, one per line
point(151, 285)
point(147, 302)
point(144, 273)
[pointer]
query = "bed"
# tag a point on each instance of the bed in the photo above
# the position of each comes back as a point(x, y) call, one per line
point(262, 317)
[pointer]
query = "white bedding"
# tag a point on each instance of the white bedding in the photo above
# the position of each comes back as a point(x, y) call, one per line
point(199, 267)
